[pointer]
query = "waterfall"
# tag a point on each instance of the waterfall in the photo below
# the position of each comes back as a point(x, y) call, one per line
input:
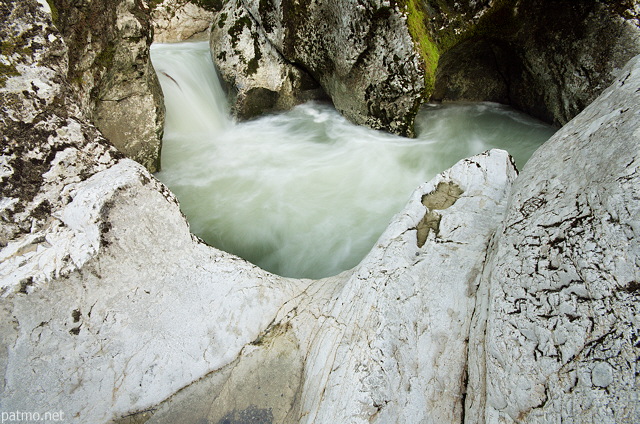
point(306, 193)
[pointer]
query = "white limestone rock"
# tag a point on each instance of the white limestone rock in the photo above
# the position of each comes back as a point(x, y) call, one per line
point(385, 342)
point(180, 20)
point(110, 68)
point(558, 338)
point(258, 79)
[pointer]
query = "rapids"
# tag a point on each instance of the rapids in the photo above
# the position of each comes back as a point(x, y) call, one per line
point(306, 193)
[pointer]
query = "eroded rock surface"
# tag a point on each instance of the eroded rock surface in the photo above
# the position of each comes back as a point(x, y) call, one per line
point(258, 78)
point(558, 338)
point(110, 306)
point(361, 55)
point(110, 67)
point(181, 20)
point(384, 342)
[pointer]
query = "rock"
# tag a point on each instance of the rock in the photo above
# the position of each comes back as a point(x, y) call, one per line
point(384, 342)
point(110, 68)
point(558, 338)
point(549, 60)
point(110, 305)
point(258, 78)
point(48, 151)
point(181, 20)
point(361, 55)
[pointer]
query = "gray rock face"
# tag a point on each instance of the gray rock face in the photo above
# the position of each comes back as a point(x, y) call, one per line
point(109, 66)
point(557, 338)
point(361, 54)
point(47, 146)
point(180, 20)
point(549, 60)
point(258, 78)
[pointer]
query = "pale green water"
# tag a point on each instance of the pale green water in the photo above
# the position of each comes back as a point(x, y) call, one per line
point(306, 193)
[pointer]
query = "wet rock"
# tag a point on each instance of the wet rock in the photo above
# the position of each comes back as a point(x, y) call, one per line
point(258, 78)
point(549, 60)
point(361, 55)
point(383, 342)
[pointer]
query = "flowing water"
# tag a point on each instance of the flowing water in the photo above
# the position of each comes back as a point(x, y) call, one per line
point(306, 193)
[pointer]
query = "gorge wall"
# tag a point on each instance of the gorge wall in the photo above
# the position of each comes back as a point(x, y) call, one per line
point(378, 61)
point(489, 298)
point(110, 68)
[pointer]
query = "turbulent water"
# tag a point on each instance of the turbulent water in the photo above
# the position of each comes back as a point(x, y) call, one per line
point(306, 193)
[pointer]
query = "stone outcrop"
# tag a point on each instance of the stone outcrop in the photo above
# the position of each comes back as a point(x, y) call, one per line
point(481, 301)
point(362, 57)
point(258, 78)
point(110, 68)
point(556, 336)
point(379, 61)
point(384, 342)
point(548, 60)
point(182, 20)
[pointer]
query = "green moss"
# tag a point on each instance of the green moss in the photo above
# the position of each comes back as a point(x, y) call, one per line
point(210, 5)
point(16, 45)
point(429, 52)
point(252, 65)
point(237, 28)
point(222, 20)
point(6, 72)
point(54, 12)
point(105, 58)
point(152, 3)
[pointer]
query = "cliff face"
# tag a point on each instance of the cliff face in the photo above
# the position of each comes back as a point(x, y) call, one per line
point(557, 335)
point(110, 68)
point(550, 60)
point(378, 61)
point(361, 56)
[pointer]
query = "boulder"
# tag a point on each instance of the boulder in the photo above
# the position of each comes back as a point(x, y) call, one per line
point(110, 68)
point(385, 342)
point(257, 77)
point(557, 337)
point(361, 55)
point(181, 20)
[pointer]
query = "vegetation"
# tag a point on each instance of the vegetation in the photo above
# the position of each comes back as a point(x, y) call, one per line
point(7, 71)
point(429, 52)
point(54, 12)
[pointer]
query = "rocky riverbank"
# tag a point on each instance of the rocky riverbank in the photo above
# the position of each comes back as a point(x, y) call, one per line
point(489, 298)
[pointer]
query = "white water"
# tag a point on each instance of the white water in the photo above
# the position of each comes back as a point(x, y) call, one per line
point(306, 193)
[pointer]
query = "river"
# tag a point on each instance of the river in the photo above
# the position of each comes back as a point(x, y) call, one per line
point(306, 193)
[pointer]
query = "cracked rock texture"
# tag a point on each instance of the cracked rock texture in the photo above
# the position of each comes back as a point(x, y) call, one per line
point(361, 54)
point(256, 75)
point(558, 337)
point(181, 20)
point(110, 67)
point(109, 305)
